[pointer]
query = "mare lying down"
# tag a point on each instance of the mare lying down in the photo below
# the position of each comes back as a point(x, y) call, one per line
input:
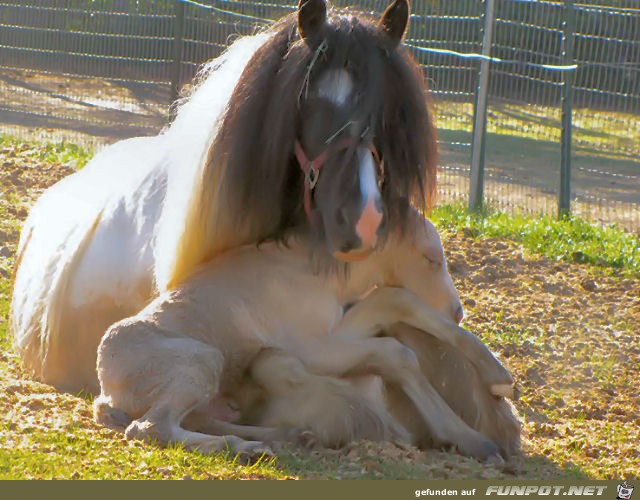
point(166, 372)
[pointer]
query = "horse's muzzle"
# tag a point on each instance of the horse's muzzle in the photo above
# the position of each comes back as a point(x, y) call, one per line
point(368, 225)
point(367, 231)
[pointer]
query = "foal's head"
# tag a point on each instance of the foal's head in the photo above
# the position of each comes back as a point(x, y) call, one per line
point(417, 263)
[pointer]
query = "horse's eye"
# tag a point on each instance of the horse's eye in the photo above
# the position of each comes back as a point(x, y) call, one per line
point(431, 259)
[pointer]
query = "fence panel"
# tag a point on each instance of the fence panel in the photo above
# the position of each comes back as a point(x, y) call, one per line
point(523, 119)
point(606, 133)
point(88, 71)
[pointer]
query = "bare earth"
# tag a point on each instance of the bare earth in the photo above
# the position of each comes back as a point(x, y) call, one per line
point(568, 332)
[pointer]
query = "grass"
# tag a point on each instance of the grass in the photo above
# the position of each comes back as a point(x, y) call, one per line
point(73, 453)
point(66, 153)
point(573, 239)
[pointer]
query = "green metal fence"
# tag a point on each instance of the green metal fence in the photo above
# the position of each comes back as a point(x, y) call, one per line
point(100, 70)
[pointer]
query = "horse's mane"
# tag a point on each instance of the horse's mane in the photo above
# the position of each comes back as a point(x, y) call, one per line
point(250, 188)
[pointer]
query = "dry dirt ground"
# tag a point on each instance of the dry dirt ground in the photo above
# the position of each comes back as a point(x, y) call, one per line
point(568, 332)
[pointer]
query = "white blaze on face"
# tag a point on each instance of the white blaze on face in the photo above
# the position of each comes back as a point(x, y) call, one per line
point(370, 218)
point(336, 86)
point(368, 181)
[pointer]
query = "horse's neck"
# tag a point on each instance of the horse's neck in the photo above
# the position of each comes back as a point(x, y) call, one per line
point(194, 231)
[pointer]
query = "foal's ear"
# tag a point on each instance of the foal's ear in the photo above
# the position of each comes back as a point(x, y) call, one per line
point(395, 19)
point(312, 15)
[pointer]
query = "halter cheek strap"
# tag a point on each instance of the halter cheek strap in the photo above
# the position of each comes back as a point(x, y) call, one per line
point(311, 168)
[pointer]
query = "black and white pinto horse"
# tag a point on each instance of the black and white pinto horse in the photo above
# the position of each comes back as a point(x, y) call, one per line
point(319, 126)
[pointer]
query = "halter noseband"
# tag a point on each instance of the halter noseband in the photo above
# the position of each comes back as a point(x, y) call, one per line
point(311, 168)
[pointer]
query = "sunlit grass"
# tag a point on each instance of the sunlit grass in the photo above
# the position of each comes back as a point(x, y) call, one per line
point(74, 453)
point(65, 153)
point(574, 239)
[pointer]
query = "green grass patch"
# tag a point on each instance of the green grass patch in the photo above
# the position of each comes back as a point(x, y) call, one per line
point(5, 287)
point(75, 454)
point(66, 153)
point(573, 239)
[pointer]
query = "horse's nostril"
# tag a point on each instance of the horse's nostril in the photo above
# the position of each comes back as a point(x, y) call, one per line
point(349, 244)
point(347, 247)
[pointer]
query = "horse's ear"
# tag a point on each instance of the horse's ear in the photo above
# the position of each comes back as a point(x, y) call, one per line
point(395, 19)
point(312, 16)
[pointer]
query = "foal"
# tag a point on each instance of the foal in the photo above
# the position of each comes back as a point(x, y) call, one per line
point(194, 343)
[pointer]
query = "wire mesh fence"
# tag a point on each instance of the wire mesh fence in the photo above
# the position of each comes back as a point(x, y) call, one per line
point(524, 115)
point(95, 71)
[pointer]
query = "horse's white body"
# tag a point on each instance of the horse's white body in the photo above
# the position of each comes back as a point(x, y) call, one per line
point(99, 244)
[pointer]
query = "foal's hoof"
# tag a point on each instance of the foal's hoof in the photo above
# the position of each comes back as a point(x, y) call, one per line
point(300, 437)
point(143, 430)
point(504, 390)
point(307, 439)
point(252, 452)
point(245, 452)
point(105, 414)
point(485, 451)
point(495, 460)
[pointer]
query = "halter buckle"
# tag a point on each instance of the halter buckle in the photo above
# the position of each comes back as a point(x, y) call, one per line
point(312, 176)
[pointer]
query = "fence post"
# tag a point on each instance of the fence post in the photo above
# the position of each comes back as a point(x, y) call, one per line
point(178, 34)
point(564, 193)
point(478, 139)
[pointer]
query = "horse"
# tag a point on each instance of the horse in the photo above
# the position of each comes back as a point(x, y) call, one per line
point(194, 343)
point(320, 124)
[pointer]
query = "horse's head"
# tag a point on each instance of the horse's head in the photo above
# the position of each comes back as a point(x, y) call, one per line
point(341, 107)
point(417, 263)
point(329, 127)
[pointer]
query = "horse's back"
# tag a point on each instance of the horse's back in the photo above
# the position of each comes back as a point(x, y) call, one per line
point(85, 251)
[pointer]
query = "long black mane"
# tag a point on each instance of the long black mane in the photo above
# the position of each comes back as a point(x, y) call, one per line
point(255, 143)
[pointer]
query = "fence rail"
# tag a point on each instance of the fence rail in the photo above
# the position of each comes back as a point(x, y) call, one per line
point(101, 70)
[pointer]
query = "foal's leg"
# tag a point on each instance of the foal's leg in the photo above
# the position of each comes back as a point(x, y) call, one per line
point(157, 378)
point(396, 363)
point(387, 306)
point(332, 409)
point(457, 381)
point(202, 419)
